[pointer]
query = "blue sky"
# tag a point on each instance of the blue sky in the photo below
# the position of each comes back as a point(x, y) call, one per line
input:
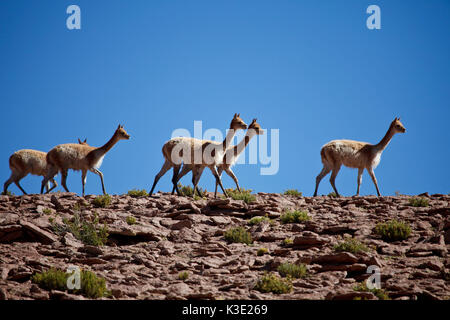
point(311, 69)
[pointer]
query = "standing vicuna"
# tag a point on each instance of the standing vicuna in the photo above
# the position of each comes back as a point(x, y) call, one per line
point(230, 157)
point(27, 161)
point(355, 154)
point(80, 157)
point(205, 153)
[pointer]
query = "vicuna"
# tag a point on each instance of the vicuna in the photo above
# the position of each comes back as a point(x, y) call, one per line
point(80, 157)
point(355, 154)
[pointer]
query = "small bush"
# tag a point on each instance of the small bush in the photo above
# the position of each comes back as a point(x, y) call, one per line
point(135, 193)
point(287, 242)
point(292, 270)
point(393, 230)
point(245, 195)
point(92, 286)
point(188, 191)
point(379, 293)
point(270, 282)
point(262, 251)
point(293, 192)
point(238, 234)
point(295, 216)
point(87, 232)
point(8, 193)
point(257, 220)
point(351, 245)
point(47, 211)
point(131, 220)
point(332, 195)
point(183, 275)
point(418, 202)
point(102, 201)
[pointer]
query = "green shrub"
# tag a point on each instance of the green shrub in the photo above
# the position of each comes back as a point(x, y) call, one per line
point(295, 216)
point(351, 245)
point(131, 220)
point(262, 251)
point(188, 191)
point(293, 192)
point(135, 193)
point(270, 282)
point(379, 293)
point(183, 275)
point(245, 195)
point(332, 195)
point(287, 242)
point(8, 193)
point(87, 232)
point(102, 201)
point(92, 286)
point(257, 220)
point(238, 234)
point(418, 202)
point(292, 270)
point(393, 230)
point(47, 211)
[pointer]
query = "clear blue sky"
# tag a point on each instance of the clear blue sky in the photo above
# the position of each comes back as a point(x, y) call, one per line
point(308, 68)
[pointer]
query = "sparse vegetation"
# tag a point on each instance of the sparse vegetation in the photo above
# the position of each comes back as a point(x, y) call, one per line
point(292, 270)
point(351, 245)
point(270, 282)
point(379, 293)
point(88, 232)
point(332, 195)
point(183, 275)
point(92, 286)
point(245, 195)
point(8, 193)
point(293, 192)
point(262, 251)
point(287, 242)
point(131, 220)
point(295, 216)
point(393, 230)
point(46, 211)
point(257, 220)
point(188, 191)
point(238, 234)
point(135, 193)
point(102, 201)
point(418, 202)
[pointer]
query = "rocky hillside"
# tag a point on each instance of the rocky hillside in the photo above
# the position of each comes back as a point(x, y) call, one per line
point(143, 259)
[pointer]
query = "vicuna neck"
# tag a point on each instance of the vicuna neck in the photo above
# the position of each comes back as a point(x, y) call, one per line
point(244, 142)
point(107, 146)
point(226, 143)
point(385, 141)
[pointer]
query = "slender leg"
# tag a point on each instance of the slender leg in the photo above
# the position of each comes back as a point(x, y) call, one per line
point(98, 172)
point(8, 182)
point(231, 174)
point(374, 179)
point(186, 168)
point(51, 173)
point(219, 171)
point(196, 174)
point(176, 171)
point(323, 173)
point(83, 180)
point(17, 182)
point(334, 173)
point(55, 184)
point(63, 179)
point(360, 172)
point(166, 166)
point(216, 175)
point(47, 187)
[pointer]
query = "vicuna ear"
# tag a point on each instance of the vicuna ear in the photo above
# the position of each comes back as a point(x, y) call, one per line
point(118, 127)
point(239, 114)
point(85, 140)
point(235, 116)
point(79, 141)
point(254, 120)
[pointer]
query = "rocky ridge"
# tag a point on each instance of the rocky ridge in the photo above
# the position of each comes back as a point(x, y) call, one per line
point(176, 234)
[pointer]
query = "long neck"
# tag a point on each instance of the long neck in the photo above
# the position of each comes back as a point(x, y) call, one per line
point(226, 143)
point(385, 141)
point(107, 146)
point(237, 150)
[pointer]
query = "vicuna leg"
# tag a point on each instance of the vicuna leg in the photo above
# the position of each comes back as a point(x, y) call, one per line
point(98, 172)
point(11, 179)
point(360, 172)
point(216, 175)
point(374, 179)
point(51, 172)
point(64, 179)
point(83, 180)
point(184, 171)
point(16, 181)
point(196, 174)
point(54, 185)
point(219, 172)
point(334, 173)
point(166, 166)
point(323, 173)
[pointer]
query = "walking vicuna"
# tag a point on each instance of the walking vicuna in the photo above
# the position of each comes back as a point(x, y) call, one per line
point(79, 157)
point(27, 161)
point(231, 156)
point(355, 154)
point(205, 153)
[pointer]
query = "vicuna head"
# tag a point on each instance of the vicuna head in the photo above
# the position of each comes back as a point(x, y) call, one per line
point(237, 123)
point(84, 143)
point(397, 126)
point(121, 133)
point(256, 127)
